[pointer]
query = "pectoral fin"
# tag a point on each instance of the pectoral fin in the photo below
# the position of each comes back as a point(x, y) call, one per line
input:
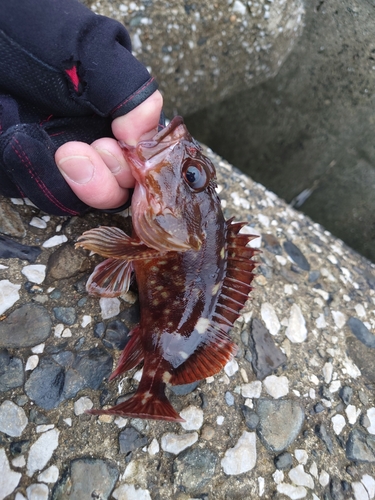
point(110, 278)
point(114, 243)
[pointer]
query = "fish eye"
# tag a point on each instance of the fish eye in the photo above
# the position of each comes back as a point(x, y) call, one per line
point(196, 176)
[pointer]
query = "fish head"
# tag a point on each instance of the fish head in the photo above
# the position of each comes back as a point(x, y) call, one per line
point(175, 195)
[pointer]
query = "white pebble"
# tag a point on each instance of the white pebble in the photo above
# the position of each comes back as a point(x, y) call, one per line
point(296, 330)
point(110, 307)
point(153, 448)
point(82, 404)
point(335, 386)
point(314, 470)
point(138, 375)
point(68, 421)
point(339, 318)
point(54, 241)
point(261, 485)
point(37, 222)
point(371, 417)
point(8, 295)
point(3, 267)
point(44, 428)
point(338, 423)
point(220, 420)
point(301, 456)
point(8, 478)
point(66, 333)
point(252, 390)
point(37, 491)
point(327, 372)
point(360, 492)
point(46, 218)
point(293, 492)
point(130, 492)
point(32, 362)
point(352, 414)
point(50, 475)
point(264, 220)
point(58, 330)
point(277, 387)
point(278, 476)
point(369, 484)
point(270, 318)
point(175, 443)
point(13, 419)
point(38, 349)
point(324, 478)
point(86, 320)
point(194, 418)
point(242, 457)
point(300, 477)
point(17, 201)
point(239, 8)
point(41, 451)
point(121, 422)
point(231, 367)
point(20, 461)
point(321, 322)
point(360, 310)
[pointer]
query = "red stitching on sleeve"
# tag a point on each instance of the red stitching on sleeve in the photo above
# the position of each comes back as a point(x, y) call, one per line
point(128, 99)
point(27, 163)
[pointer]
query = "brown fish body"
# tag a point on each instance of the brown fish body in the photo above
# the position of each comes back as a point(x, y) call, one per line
point(189, 295)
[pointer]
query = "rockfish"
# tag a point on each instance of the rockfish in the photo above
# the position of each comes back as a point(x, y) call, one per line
point(193, 270)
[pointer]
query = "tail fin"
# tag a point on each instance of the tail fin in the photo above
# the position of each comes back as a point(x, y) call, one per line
point(144, 405)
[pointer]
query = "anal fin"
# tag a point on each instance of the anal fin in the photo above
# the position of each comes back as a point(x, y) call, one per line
point(131, 356)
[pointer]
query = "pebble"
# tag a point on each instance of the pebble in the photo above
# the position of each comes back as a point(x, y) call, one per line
point(301, 456)
point(82, 404)
point(293, 492)
point(346, 394)
point(284, 461)
point(86, 320)
point(252, 390)
point(35, 273)
point(66, 262)
point(280, 422)
point(27, 326)
point(55, 240)
point(116, 335)
point(193, 469)
point(11, 371)
point(8, 295)
point(37, 491)
point(194, 418)
point(277, 387)
point(301, 478)
point(270, 318)
point(130, 439)
point(229, 398)
point(41, 451)
point(10, 220)
point(251, 418)
point(32, 362)
point(13, 419)
point(321, 432)
point(352, 414)
point(10, 249)
point(110, 307)
point(371, 417)
point(8, 478)
point(45, 384)
point(296, 255)
point(338, 423)
point(296, 330)
point(182, 390)
point(176, 443)
point(130, 492)
point(67, 315)
point(38, 222)
point(87, 475)
point(362, 332)
point(242, 457)
point(266, 356)
point(231, 367)
point(153, 448)
point(339, 318)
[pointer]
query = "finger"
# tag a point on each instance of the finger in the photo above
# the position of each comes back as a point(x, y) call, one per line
point(112, 155)
point(88, 176)
point(140, 123)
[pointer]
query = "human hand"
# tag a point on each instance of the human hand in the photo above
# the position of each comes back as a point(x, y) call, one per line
point(98, 173)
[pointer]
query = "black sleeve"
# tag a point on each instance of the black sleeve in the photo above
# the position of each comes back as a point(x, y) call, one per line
point(67, 61)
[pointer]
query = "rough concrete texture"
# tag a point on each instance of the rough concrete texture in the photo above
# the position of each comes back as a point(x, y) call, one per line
point(305, 430)
point(312, 127)
point(204, 51)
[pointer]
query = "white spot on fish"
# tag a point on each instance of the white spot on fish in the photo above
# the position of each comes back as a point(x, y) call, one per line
point(165, 295)
point(201, 325)
point(166, 377)
point(215, 288)
point(183, 354)
point(147, 395)
point(222, 253)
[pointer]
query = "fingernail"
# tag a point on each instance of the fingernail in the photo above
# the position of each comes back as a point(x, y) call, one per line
point(78, 169)
point(110, 160)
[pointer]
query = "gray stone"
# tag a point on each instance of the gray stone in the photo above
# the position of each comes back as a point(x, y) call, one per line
point(116, 335)
point(13, 419)
point(193, 469)
point(280, 422)
point(66, 262)
point(362, 356)
point(322, 433)
point(266, 356)
point(251, 418)
point(182, 390)
point(360, 447)
point(284, 461)
point(346, 394)
point(87, 478)
point(11, 371)
point(27, 326)
point(10, 221)
point(66, 315)
point(45, 384)
point(130, 440)
point(361, 332)
point(296, 255)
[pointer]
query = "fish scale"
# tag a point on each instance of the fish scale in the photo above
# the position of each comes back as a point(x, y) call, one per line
point(193, 270)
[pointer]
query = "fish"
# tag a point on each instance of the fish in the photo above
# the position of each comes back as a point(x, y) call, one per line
point(193, 270)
